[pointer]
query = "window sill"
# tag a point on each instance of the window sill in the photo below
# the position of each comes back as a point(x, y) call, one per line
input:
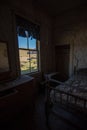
point(14, 83)
point(34, 74)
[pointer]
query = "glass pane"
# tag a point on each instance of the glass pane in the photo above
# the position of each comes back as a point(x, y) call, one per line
point(32, 43)
point(24, 61)
point(34, 66)
point(22, 42)
point(33, 54)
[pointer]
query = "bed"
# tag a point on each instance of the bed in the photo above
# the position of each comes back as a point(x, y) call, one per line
point(71, 94)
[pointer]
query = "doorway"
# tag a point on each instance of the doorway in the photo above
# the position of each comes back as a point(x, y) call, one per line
point(62, 59)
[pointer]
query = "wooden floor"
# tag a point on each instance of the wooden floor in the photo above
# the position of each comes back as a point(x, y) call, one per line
point(62, 120)
point(36, 120)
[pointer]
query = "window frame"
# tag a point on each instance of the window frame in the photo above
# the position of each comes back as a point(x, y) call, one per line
point(33, 29)
point(38, 58)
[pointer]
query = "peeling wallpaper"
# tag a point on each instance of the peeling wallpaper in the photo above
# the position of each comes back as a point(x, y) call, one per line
point(8, 33)
point(73, 30)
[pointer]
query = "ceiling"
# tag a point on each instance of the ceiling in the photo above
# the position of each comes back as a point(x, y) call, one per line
point(55, 7)
point(52, 7)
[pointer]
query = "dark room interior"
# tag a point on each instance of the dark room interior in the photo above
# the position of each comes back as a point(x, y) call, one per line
point(43, 65)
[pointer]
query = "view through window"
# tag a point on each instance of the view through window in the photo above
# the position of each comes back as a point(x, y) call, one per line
point(28, 54)
point(28, 35)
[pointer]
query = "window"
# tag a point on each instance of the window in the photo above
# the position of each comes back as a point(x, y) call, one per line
point(29, 46)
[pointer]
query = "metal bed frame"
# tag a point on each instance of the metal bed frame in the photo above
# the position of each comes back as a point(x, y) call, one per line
point(73, 108)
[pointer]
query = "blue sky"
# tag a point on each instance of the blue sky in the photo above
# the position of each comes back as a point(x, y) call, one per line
point(22, 41)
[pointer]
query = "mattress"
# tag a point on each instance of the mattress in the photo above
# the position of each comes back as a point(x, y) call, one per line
point(76, 85)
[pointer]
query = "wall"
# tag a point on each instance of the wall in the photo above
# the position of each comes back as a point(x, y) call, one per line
point(71, 28)
point(29, 11)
